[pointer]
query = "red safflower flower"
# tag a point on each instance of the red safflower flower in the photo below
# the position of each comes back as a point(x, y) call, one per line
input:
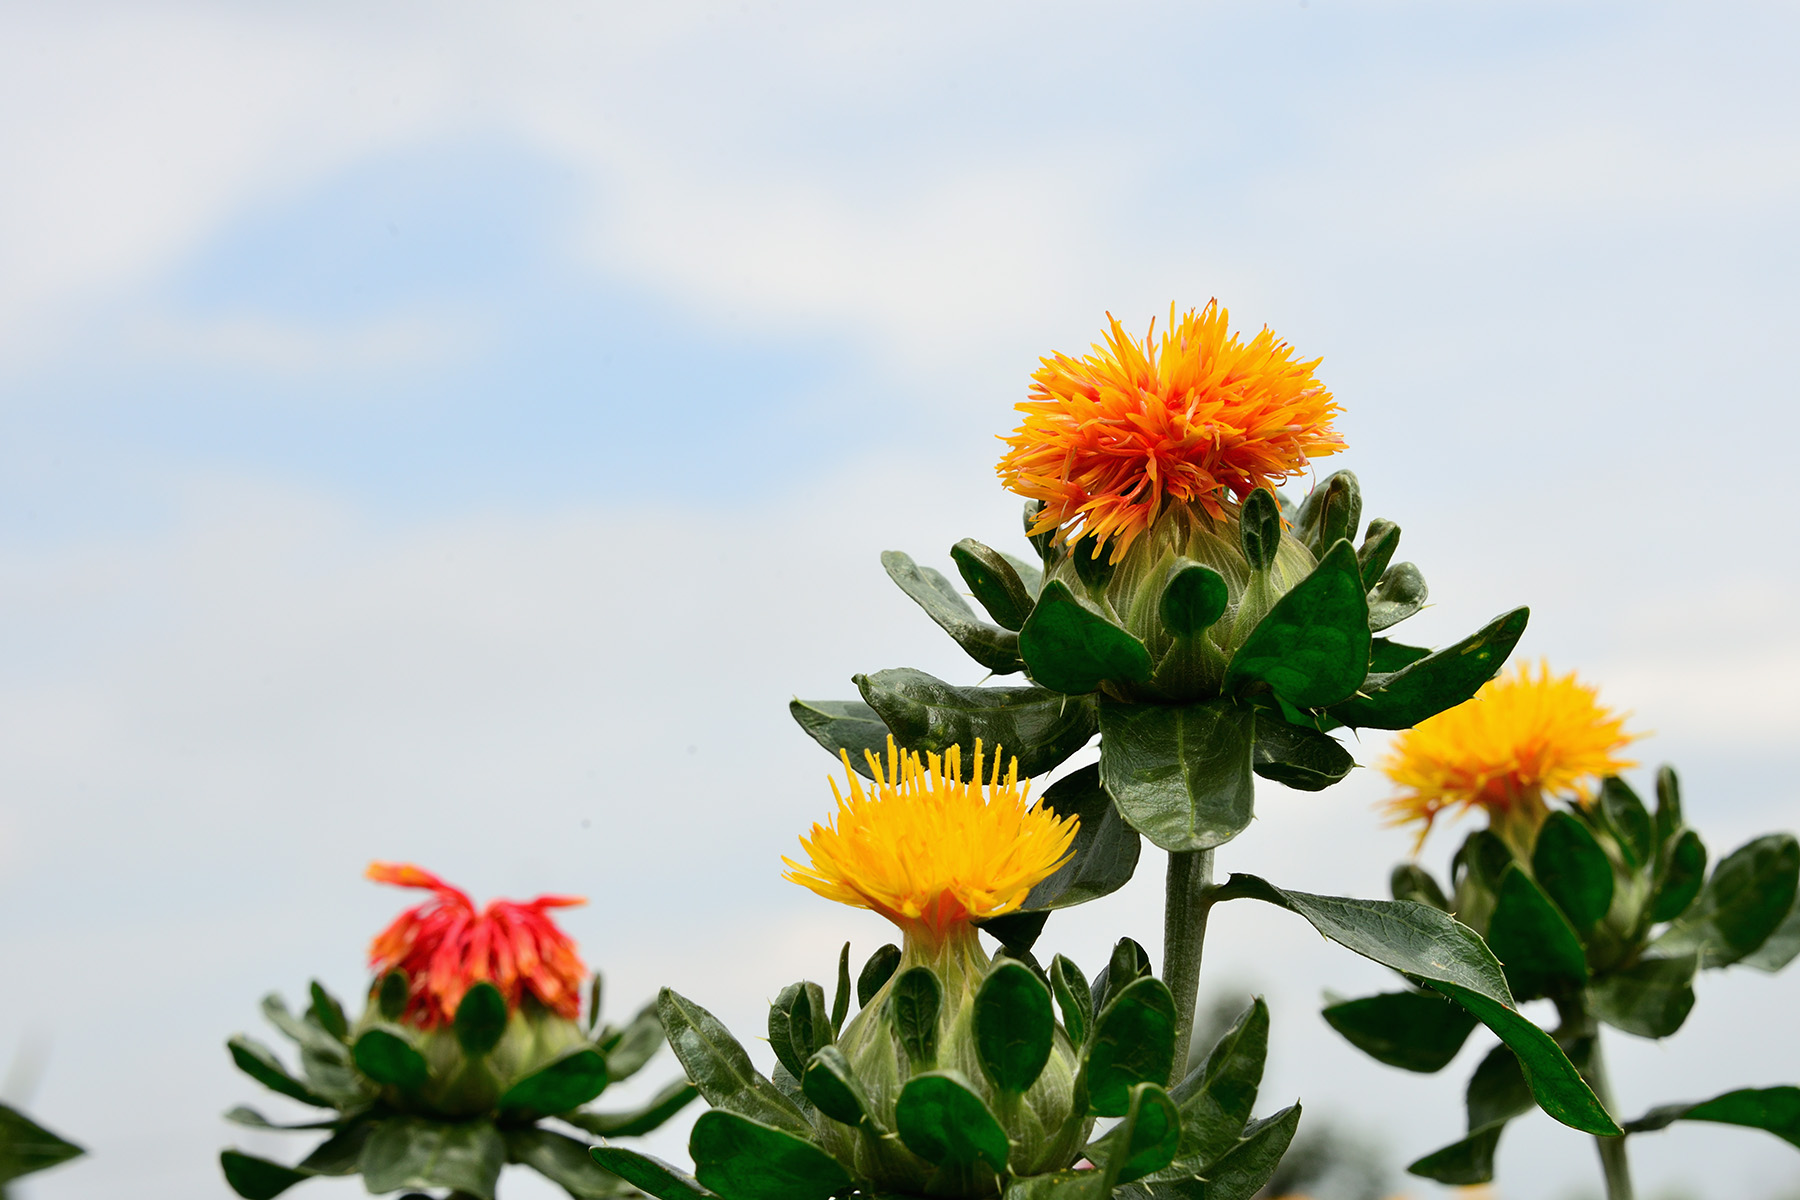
point(446, 947)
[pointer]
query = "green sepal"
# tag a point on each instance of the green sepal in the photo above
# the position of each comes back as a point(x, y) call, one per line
point(1070, 987)
point(913, 1006)
point(1312, 648)
point(1133, 1042)
point(564, 1084)
point(1410, 881)
point(391, 994)
point(1259, 529)
point(995, 648)
point(1331, 512)
point(251, 1177)
point(1650, 998)
point(840, 995)
point(1039, 727)
point(259, 1063)
point(1072, 648)
point(1438, 681)
point(994, 582)
point(1433, 948)
point(651, 1175)
point(1773, 1109)
point(1128, 963)
point(1415, 1031)
point(328, 1012)
point(1093, 564)
point(1745, 900)
point(720, 1067)
point(741, 1159)
point(243, 1114)
point(637, 1121)
point(843, 727)
point(1181, 775)
point(480, 1019)
point(941, 1119)
point(1572, 869)
point(831, 1085)
point(565, 1162)
point(1217, 1097)
point(1298, 756)
point(1680, 873)
point(596, 986)
point(1668, 804)
point(1630, 821)
point(27, 1147)
point(341, 1153)
point(799, 1024)
point(1194, 597)
point(1398, 594)
point(416, 1152)
point(1146, 1141)
point(1542, 953)
point(1781, 947)
point(1379, 542)
point(878, 970)
point(1014, 1027)
point(390, 1059)
point(1101, 860)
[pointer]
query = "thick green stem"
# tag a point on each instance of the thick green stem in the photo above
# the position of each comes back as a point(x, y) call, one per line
point(1613, 1163)
point(1186, 904)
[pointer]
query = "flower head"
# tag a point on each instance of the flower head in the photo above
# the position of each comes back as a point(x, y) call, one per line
point(445, 947)
point(1200, 417)
point(1521, 737)
point(929, 851)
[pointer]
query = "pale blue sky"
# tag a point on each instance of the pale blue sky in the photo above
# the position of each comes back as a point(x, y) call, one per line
point(453, 432)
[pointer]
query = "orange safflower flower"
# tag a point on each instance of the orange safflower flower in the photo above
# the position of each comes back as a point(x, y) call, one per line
point(446, 947)
point(1201, 417)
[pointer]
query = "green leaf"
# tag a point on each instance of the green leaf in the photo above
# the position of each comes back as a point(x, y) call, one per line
point(341, 1153)
point(593, 998)
point(840, 997)
point(1147, 1139)
point(480, 1019)
point(241, 1114)
point(1397, 595)
point(1312, 649)
point(1434, 948)
point(1781, 947)
point(27, 1147)
point(1039, 727)
point(389, 1059)
point(1193, 599)
point(1093, 564)
point(1415, 1031)
point(1774, 1109)
point(719, 1066)
point(1497, 1090)
point(1102, 859)
point(1650, 998)
point(914, 1004)
point(1668, 804)
point(249, 1176)
point(1330, 513)
point(944, 1122)
point(1680, 872)
point(651, 1175)
point(565, 1162)
point(1071, 648)
point(1629, 819)
point(832, 1087)
point(877, 971)
point(798, 1025)
point(1572, 869)
point(391, 994)
point(1377, 550)
point(1216, 1098)
point(847, 726)
point(329, 1013)
point(1070, 987)
point(1014, 1027)
point(1243, 1170)
point(1128, 963)
point(631, 1047)
point(1410, 881)
point(994, 582)
point(1469, 1160)
point(637, 1121)
point(1436, 682)
point(741, 1159)
point(1297, 756)
point(259, 1063)
point(1133, 1042)
point(1386, 657)
point(1259, 530)
point(566, 1083)
point(994, 648)
point(1540, 950)
point(1747, 898)
point(1180, 774)
point(416, 1152)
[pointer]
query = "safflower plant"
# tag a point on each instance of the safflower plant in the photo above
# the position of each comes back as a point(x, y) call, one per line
point(470, 1040)
point(1591, 899)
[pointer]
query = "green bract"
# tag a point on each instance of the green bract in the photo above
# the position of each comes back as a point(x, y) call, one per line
point(27, 1147)
point(1609, 915)
point(450, 1106)
point(965, 1077)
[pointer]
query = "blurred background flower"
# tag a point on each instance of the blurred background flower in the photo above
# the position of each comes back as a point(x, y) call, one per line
point(452, 433)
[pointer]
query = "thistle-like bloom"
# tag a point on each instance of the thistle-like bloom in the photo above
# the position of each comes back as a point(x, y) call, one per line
point(446, 947)
point(1522, 737)
point(1200, 417)
point(929, 851)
